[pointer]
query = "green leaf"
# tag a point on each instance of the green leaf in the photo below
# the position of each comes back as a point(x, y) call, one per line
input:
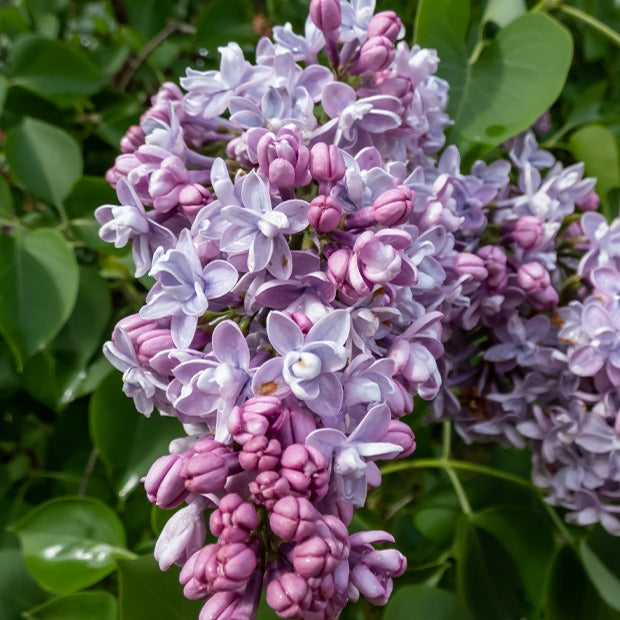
point(94, 605)
point(597, 147)
point(528, 538)
point(148, 17)
point(501, 87)
point(82, 334)
point(54, 375)
point(570, 595)
point(18, 591)
point(6, 200)
point(217, 24)
point(38, 288)
point(606, 583)
point(424, 602)
point(128, 442)
point(53, 69)
point(487, 578)
point(45, 159)
point(146, 593)
point(71, 543)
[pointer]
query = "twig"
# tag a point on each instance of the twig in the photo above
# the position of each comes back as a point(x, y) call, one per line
point(88, 470)
point(133, 65)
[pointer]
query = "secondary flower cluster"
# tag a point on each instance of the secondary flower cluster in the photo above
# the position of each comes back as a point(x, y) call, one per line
point(550, 371)
point(304, 286)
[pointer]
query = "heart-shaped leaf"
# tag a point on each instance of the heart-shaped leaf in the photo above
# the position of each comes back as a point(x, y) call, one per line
point(38, 288)
point(45, 159)
point(498, 88)
point(71, 543)
point(53, 69)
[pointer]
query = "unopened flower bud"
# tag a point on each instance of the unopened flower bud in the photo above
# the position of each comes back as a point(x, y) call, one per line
point(326, 163)
point(326, 14)
point(324, 213)
point(590, 202)
point(400, 434)
point(376, 54)
point(268, 487)
point(528, 232)
point(254, 418)
point(393, 207)
point(204, 472)
point(467, 264)
point(533, 277)
point(234, 519)
point(293, 518)
point(386, 24)
point(164, 484)
point(192, 198)
point(495, 263)
point(289, 595)
point(260, 453)
point(304, 468)
point(316, 557)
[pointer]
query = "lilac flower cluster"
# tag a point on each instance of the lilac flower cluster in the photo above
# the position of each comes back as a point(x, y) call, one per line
point(306, 284)
point(295, 307)
point(548, 375)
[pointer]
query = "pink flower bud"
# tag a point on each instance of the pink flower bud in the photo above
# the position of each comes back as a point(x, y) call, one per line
point(289, 595)
point(149, 343)
point(467, 264)
point(192, 198)
point(283, 159)
point(234, 519)
point(326, 163)
point(324, 213)
point(254, 418)
point(164, 484)
point(495, 263)
point(393, 207)
point(400, 400)
point(303, 322)
point(400, 434)
point(338, 266)
point(293, 518)
point(376, 54)
point(316, 557)
point(528, 232)
point(218, 567)
point(590, 202)
point(326, 14)
point(133, 139)
point(533, 277)
point(260, 453)
point(204, 472)
point(304, 468)
point(268, 487)
point(385, 24)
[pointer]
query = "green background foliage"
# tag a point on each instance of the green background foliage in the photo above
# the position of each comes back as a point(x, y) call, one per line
point(77, 533)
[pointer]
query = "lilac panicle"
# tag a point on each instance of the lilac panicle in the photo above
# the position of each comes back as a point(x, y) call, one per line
point(324, 273)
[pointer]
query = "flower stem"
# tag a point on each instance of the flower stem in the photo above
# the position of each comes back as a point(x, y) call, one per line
point(591, 21)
